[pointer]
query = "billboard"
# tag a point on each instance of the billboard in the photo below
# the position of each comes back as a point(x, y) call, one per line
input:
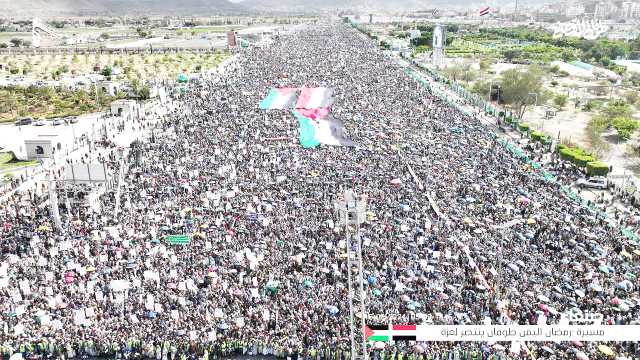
point(86, 173)
point(231, 39)
point(438, 37)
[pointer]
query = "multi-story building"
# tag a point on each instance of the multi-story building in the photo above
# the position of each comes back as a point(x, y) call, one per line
point(574, 10)
point(634, 10)
point(603, 10)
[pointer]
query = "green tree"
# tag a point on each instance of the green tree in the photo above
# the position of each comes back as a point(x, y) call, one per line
point(144, 93)
point(625, 127)
point(16, 42)
point(107, 71)
point(560, 101)
point(511, 54)
point(422, 41)
point(4, 45)
point(517, 87)
point(481, 88)
point(452, 28)
point(80, 97)
point(57, 24)
point(617, 109)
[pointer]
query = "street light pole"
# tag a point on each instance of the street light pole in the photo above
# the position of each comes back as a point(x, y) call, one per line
point(362, 293)
point(350, 286)
point(352, 211)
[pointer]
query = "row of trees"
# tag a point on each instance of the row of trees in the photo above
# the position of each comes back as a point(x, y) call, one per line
point(616, 114)
point(426, 39)
point(49, 102)
point(16, 42)
point(600, 50)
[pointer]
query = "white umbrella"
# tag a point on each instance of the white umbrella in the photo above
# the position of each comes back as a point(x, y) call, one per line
point(581, 356)
point(543, 298)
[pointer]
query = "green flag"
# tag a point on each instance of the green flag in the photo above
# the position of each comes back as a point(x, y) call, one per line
point(178, 239)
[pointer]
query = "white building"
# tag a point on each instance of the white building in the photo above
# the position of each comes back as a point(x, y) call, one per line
point(603, 10)
point(126, 108)
point(109, 87)
point(574, 10)
point(45, 146)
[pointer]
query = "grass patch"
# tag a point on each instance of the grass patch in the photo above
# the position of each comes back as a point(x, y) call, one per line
point(8, 162)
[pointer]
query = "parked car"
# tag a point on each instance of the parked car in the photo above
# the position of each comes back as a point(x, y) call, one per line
point(596, 182)
point(71, 119)
point(39, 123)
point(57, 122)
point(24, 121)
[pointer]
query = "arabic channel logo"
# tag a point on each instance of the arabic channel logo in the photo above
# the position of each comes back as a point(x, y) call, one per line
point(576, 316)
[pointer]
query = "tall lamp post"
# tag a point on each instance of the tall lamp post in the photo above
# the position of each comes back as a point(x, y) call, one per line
point(351, 210)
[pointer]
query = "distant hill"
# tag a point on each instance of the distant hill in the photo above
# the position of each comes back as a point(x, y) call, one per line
point(301, 5)
point(209, 7)
point(117, 7)
point(387, 5)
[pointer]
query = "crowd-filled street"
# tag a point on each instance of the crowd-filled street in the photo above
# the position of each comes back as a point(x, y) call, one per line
point(264, 268)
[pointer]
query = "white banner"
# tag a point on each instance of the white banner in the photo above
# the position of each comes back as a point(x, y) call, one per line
point(525, 333)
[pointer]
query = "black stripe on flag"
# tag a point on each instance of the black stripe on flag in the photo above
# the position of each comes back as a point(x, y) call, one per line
point(403, 338)
point(378, 327)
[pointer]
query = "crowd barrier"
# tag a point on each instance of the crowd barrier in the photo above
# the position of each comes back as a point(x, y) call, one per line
point(230, 349)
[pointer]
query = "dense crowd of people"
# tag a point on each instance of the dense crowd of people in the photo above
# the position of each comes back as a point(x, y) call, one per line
point(264, 270)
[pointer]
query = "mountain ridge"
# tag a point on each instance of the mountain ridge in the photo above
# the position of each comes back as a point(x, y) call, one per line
point(118, 7)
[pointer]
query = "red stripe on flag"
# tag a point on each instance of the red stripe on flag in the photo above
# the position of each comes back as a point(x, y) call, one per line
point(404, 327)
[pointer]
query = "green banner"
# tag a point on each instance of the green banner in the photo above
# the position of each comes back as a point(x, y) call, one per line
point(178, 239)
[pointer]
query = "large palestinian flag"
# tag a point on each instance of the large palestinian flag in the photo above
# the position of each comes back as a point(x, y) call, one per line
point(315, 98)
point(279, 98)
point(317, 126)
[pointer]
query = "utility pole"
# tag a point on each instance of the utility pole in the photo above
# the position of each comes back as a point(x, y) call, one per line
point(120, 180)
point(351, 210)
point(53, 202)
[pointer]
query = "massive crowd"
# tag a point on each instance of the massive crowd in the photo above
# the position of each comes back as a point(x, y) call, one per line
point(265, 269)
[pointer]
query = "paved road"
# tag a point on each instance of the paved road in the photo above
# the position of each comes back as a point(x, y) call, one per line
point(92, 126)
point(515, 137)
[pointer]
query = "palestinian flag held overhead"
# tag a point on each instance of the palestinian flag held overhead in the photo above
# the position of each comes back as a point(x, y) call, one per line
point(315, 98)
point(317, 127)
point(279, 98)
point(484, 11)
point(388, 333)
